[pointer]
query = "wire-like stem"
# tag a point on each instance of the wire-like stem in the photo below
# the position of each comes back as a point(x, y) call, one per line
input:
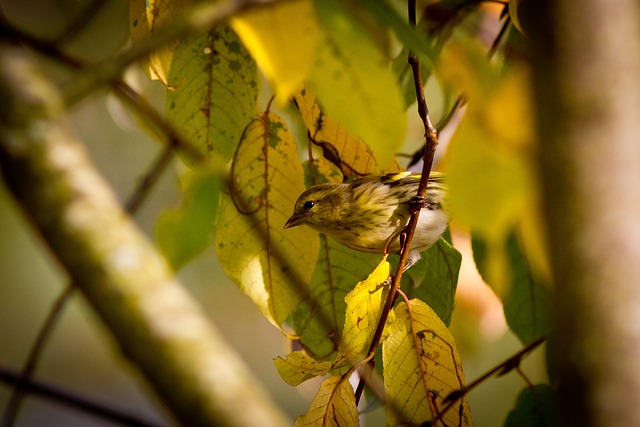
point(505, 367)
point(87, 406)
point(431, 138)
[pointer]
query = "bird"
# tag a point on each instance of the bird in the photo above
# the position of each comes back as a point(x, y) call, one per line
point(368, 214)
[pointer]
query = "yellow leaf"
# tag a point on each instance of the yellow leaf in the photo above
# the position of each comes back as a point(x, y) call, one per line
point(146, 17)
point(421, 368)
point(341, 147)
point(364, 306)
point(490, 160)
point(298, 367)
point(507, 111)
point(282, 38)
point(333, 405)
point(271, 265)
point(355, 85)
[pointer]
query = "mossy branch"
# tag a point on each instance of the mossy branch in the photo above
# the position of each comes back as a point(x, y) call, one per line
point(154, 321)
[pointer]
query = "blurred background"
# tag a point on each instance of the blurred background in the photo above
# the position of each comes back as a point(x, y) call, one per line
point(81, 357)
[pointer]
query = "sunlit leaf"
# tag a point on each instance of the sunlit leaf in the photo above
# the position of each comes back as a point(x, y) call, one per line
point(341, 147)
point(355, 85)
point(214, 94)
point(526, 298)
point(436, 276)
point(298, 367)
point(421, 368)
point(333, 405)
point(282, 38)
point(364, 307)
point(146, 17)
point(534, 408)
point(185, 232)
point(271, 265)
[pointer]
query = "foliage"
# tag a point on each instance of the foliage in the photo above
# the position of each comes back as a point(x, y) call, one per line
point(335, 107)
point(334, 61)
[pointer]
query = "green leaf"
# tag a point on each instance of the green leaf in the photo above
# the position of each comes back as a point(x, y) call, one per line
point(409, 36)
point(271, 265)
point(437, 277)
point(333, 405)
point(214, 91)
point(534, 408)
point(526, 298)
point(355, 85)
point(185, 232)
point(421, 368)
point(319, 318)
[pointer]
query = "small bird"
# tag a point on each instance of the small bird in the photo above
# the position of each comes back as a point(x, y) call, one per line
point(366, 213)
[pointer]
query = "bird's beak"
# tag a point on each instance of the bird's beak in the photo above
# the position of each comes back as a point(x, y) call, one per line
point(293, 221)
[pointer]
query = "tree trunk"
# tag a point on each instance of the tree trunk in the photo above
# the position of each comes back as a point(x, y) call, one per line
point(587, 81)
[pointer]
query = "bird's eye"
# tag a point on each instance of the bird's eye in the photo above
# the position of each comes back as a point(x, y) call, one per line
point(308, 204)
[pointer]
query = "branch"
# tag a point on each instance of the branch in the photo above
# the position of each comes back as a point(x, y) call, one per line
point(154, 321)
point(201, 17)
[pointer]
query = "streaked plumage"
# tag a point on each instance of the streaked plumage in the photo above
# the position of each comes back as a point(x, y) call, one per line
point(363, 214)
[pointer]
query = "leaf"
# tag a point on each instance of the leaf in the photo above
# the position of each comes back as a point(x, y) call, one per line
point(146, 17)
point(410, 38)
point(355, 85)
point(526, 298)
point(333, 405)
point(282, 38)
point(298, 367)
point(421, 368)
point(341, 147)
point(437, 277)
point(214, 94)
point(269, 264)
point(534, 408)
point(490, 160)
point(185, 232)
point(364, 307)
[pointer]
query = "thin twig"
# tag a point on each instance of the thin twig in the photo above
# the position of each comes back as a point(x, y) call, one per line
point(430, 147)
point(23, 381)
point(124, 91)
point(201, 17)
point(85, 405)
point(506, 366)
